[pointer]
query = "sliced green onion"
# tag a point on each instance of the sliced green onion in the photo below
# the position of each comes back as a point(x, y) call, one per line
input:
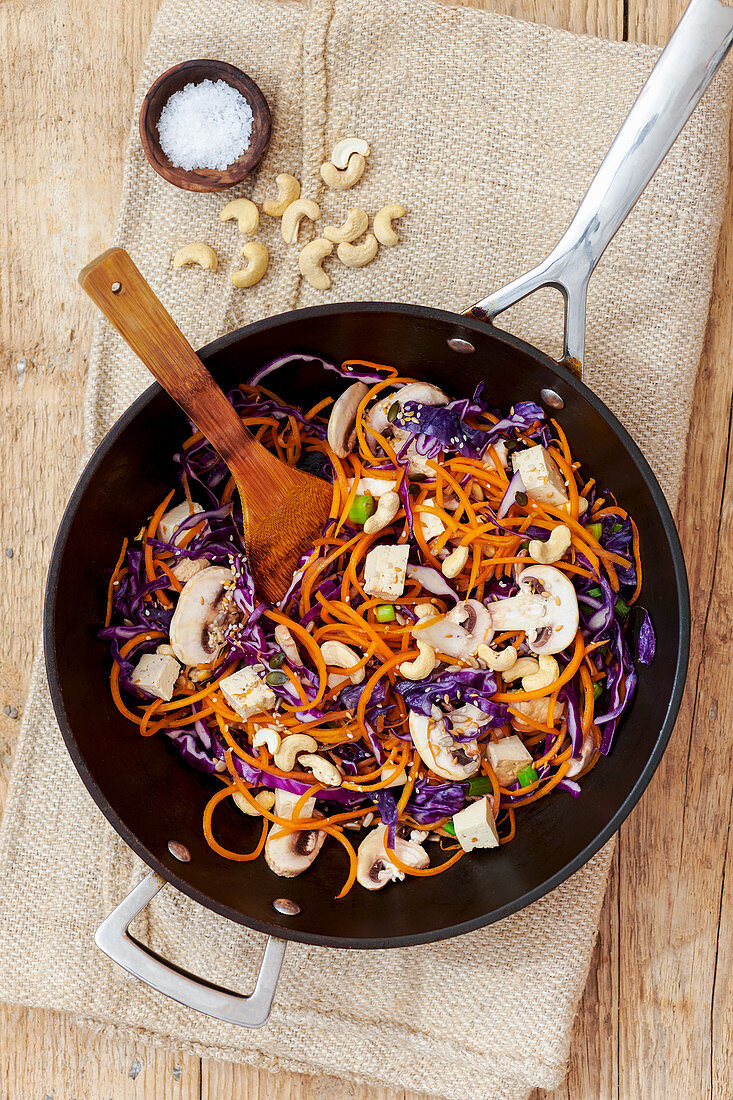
point(480, 785)
point(385, 613)
point(362, 507)
point(597, 689)
point(622, 608)
point(276, 679)
point(450, 828)
point(277, 661)
point(394, 412)
point(616, 528)
point(521, 499)
point(596, 592)
point(596, 530)
point(527, 775)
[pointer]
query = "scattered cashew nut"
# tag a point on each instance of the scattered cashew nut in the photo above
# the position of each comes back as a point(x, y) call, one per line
point(340, 655)
point(424, 610)
point(343, 149)
point(455, 562)
point(290, 747)
point(323, 770)
point(497, 662)
point(343, 180)
point(356, 223)
point(553, 549)
point(549, 671)
point(246, 213)
point(265, 799)
point(384, 231)
point(422, 666)
point(267, 735)
point(387, 509)
point(525, 666)
point(301, 208)
point(357, 255)
point(196, 253)
point(311, 257)
point(257, 260)
point(288, 190)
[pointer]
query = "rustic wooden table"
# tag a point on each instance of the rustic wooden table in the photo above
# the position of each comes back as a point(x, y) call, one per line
point(656, 1019)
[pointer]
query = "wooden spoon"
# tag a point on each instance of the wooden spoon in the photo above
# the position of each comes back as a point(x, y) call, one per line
point(284, 509)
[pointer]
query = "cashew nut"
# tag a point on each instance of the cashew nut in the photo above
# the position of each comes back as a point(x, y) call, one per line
point(311, 257)
point(343, 149)
point(455, 562)
point(197, 253)
point(288, 190)
point(422, 666)
point(553, 549)
point(383, 229)
point(387, 509)
point(357, 255)
point(548, 672)
point(497, 662)
point(246, 213)
point(525, 666)
point(323, 770)
point(356, 223)
point(257, 260)
point(301, 208)
point(340, 655)
point(582, 509)
point(424, 610)
point(265, 799)
point(290, 747)
point(267, 735)
point(343, 180)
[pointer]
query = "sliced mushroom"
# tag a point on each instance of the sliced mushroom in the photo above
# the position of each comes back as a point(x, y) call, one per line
point(374, 867)
point(341, 423)
point(456, 760)
point(204, 610)
point(587, 753)
point(290, 854)
point(286, 641)
point(424, 392)
point(459, 633)
point(546, 608)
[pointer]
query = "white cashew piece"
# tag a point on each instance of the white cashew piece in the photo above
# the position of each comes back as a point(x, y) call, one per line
point(455, 562)
point(553, 549)
point(269, 736)
point(290, 747)
point(257, 258)
point(497, 662)
point(323, 770)
point(384, 231)
point(340, 655)
point(343, 180)
point(265, 799)
point(343, 149)
point(196, 253)
point(311, 257)
point(288, 190)
point(424, 610)
point(549, 671)
point(290, 224)
point(246, 213)
point(422, 666)
point(356, 223)
point(524, 666)
point(358, 255)
point(387, 509)
point(582, 509)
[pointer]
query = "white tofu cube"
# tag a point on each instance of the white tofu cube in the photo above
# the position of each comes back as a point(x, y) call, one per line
point(431, 525)
point(536, 709)
point(246, 693)
point(542, 479)
point(475, 826)
point(156, 675)
point(507, 757)
point(173, 519)
point(384, 571)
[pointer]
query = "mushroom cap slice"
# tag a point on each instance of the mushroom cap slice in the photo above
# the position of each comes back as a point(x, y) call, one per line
point(374, 867)
point(290, 854)
point(459, 633)
point(546, 608)
point(424, 392)
point(205, 607)
point(341, 432)
point(444, 756)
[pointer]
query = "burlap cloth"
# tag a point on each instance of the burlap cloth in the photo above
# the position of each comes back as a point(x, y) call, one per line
point(488, 131)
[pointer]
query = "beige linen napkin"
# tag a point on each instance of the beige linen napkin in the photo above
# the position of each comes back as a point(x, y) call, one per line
point(488, 131)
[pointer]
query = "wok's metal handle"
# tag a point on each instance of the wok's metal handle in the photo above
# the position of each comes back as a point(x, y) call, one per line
point(233, 1008)
point(675, 86)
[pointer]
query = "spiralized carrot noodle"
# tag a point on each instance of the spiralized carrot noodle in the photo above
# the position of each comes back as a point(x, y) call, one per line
point(354, 708)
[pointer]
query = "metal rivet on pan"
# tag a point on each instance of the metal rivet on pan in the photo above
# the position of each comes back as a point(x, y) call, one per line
point(463, 347)
point(179, 851)
point(552, 398)
point(285, 906)
point(116, 288)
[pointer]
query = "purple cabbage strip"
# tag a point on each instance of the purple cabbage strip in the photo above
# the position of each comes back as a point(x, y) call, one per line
point(428, 804)
point(469, 685)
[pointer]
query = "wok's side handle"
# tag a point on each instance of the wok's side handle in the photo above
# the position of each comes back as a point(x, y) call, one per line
point(686, 66)
point(114, 939)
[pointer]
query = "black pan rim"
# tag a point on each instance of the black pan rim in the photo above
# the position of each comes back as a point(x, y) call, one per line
point(463, 324)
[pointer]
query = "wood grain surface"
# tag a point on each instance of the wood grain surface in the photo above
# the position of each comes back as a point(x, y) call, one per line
point(656, 1018)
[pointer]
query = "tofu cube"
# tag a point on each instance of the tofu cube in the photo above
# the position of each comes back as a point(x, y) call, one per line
point(384, 571)
point(246, 693)
point(536, 709)
point(475, 826)
point(156, 675)
point(507, 757)
point(173, 519)
point(542, 479)
point(430, 525)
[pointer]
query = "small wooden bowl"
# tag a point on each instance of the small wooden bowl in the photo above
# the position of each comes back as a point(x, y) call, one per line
point(194, 72)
